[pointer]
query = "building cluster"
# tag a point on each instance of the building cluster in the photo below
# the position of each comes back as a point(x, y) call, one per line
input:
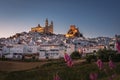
point(38, 44)
point(34, 45)
point(42, 46)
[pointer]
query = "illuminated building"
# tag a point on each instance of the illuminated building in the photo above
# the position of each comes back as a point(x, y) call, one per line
point(47, 29)
point(73, 32)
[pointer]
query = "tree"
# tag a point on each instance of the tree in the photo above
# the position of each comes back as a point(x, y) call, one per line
point(105, 54)
point(91, 57)
point(75, 55)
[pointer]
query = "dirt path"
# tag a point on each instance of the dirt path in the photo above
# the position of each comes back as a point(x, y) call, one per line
point(18, 66)
point(10, 66)
point(79, 61)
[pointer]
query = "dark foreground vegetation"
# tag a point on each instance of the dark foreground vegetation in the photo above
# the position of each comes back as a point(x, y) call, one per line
point(79, 71)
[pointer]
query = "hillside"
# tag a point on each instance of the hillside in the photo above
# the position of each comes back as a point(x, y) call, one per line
point(80, 71)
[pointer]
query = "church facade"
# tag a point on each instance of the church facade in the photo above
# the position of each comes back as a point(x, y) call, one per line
point(47, 29)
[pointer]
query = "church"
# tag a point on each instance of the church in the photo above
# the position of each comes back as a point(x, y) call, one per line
point(47, 29)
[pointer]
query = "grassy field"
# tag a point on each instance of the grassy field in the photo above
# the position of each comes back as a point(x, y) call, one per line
point(9, 66)
point(46, 71)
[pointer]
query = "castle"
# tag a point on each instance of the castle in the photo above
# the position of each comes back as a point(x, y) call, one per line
point(47, 29)
point(73, 32)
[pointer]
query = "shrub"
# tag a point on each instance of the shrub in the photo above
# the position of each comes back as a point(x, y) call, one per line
point(91, 57)
point(105, 54)
point(75, 55)
point(116, 58)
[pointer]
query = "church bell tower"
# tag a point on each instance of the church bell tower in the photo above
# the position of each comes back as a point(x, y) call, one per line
point(46, 23)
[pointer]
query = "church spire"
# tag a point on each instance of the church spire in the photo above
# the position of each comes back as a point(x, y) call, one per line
point(46, 22)
point(51, 23)
point(38, 25)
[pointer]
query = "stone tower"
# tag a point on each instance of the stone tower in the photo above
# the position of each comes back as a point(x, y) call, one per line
point(51, 23)
point(46, 23)
point(51, 27)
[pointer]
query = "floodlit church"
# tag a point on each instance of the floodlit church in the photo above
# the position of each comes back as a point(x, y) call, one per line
point(47, 29)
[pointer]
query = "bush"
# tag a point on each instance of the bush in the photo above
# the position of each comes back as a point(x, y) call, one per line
point(91, 58)
point(104, 54)
point(75, 55)
point(116, 58)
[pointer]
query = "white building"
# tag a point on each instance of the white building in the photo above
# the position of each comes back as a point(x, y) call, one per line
point(87, 50)
point(44, 51)
point(70, 48)
point(13, 51)
point(49, 51)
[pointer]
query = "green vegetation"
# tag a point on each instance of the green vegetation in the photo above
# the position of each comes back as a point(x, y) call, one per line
point(80, 71)
point(104, 55)
point(47, 71)
point(75, 55)
point(91, 58)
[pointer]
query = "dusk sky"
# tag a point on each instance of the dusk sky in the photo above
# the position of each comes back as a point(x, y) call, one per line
point(93, 17)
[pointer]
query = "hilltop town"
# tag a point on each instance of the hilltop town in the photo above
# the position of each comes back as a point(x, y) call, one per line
point(42, 43)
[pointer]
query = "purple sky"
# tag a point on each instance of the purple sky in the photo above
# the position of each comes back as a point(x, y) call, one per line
point(93, 17)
